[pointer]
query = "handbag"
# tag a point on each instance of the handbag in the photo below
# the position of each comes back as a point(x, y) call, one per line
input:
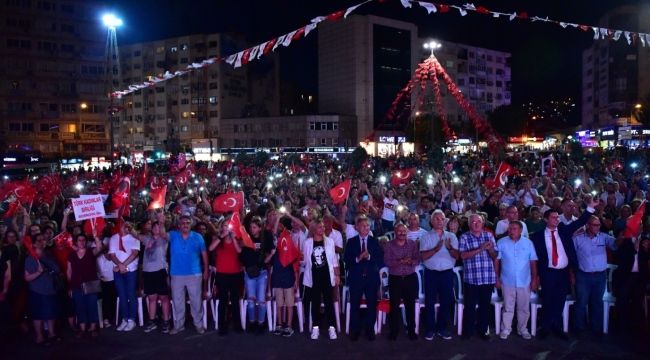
point(253, 271)
point(91, 287)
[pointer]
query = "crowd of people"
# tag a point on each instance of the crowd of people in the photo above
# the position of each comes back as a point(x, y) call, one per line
point(575, 231)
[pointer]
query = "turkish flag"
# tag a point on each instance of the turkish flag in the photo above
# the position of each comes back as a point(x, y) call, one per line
point(29, 246)
point(157, 198)
point(501, 177)
point(23, 190)
point(142, 177)
point(633, 223)
point(235, 225)
point(99, 225)
point(228, 202)
point(120, 200)
point(340, 192)
point(402, 177)
point(287, 251)
point(11, 209)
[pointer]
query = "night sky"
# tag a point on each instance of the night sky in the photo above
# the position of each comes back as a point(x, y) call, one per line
point(546, 58)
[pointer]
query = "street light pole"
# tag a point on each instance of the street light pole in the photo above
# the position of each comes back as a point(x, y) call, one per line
point(112, 62)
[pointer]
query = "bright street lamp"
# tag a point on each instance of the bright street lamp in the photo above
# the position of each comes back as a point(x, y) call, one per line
point(432, 45)
point(111, 21)
point(638, 106)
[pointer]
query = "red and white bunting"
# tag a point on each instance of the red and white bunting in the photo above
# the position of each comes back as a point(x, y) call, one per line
point(243, 57)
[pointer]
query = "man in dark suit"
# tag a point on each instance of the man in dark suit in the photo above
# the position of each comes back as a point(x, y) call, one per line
point(630, 279)
point(363, 258)
point(556, 266)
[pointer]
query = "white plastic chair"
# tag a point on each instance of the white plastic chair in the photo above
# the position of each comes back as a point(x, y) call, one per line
point(608, 297)
point(117, 311)
point(497, 302)
point(458, 294)
point(390, 235)
point(269, 310)
point(204, 303)
point(420, 301)
point(299, 310)
point(363, 305)
point(535, 305)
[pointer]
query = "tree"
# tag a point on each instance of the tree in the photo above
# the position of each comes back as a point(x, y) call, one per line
point(643, 114)
point(575, 148)
point(261, 157)
point(358, 157)
point(508, 120)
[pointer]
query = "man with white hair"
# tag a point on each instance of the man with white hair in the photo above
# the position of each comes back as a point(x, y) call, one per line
point(439, 251)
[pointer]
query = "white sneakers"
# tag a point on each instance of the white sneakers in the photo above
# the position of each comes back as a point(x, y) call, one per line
point(130, 325)
point(332, 332)
point(504, 334)
point(122, 325)
point(315, 333)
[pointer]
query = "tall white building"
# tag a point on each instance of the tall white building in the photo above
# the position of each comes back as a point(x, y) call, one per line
point(188, 109)
point(483, 75)
point(615, 75)
point(365, 60)
point(52, 79)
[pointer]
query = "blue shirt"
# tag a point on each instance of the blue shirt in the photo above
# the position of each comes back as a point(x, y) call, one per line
point(441, 260)
point(479, 269)
point(515, 259)
point(591, 252)
point(185, 253)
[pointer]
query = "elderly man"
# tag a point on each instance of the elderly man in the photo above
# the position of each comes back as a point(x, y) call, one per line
point(516, 269)
point(401, 256)
point(415, 232)
point(189, 265)
point(512, 214)
point(478, 251)
point(591, 253)
point(439, 251)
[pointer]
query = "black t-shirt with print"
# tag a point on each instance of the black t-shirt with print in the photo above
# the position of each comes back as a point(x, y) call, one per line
point(319, 266)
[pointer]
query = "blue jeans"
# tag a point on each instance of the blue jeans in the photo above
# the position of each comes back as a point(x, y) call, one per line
point(85, 307)
point(590, 288)
point(256, 295)
point(438, 285)
point(125, 286)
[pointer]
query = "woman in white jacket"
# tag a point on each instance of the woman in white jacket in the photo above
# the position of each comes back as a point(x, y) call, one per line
point(320, 277)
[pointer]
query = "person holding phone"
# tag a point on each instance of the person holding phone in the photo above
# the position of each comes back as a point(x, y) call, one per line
point(390, 209)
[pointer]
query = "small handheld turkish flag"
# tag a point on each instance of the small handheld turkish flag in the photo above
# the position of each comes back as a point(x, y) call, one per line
point(340, 192)
point(157, 198)
point(228, 202)
point(402, 177)
point(287, 251)
point(501, 177)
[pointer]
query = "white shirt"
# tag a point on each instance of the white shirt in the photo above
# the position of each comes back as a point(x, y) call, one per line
point(337, 237)
point(562, 258)
point(389, 213)
point(351, 232)
point(415, 235)
point(567, 221)
point(130, 243)
point(502, 228)
point(457, 206)
point(299, 238)
point(330, 254)
point(526, 196)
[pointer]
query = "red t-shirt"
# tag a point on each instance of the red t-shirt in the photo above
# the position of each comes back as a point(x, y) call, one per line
point(227, 259)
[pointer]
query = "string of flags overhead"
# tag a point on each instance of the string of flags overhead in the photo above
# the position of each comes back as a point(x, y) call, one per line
point(600, 33)
point(245, 56)
point(253, 53)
